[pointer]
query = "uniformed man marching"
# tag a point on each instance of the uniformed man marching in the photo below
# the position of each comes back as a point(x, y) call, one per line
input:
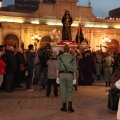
point(108, 67)
point(66, 76)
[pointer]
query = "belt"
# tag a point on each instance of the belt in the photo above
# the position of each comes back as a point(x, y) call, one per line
point(66, 72)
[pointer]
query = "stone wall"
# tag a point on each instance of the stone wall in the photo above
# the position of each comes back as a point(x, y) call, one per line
point(24, 31)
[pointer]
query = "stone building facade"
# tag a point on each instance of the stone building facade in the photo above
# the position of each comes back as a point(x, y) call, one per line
point(18, 27)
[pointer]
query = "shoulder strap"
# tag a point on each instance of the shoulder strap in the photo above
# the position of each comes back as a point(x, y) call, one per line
point(64, 64)
point(71, 61)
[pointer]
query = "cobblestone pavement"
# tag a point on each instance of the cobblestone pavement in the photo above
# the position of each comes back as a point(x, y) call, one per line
point(90, 103)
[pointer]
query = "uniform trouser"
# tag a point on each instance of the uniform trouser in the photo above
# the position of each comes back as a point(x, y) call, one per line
point(1, 79)
point(66, 86)
point(98, 68)
point(107, 74)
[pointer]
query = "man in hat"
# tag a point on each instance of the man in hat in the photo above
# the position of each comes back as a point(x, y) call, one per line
point(66, 76)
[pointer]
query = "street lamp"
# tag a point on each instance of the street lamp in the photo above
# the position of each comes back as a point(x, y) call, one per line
point(106, 40)
point(36, 39)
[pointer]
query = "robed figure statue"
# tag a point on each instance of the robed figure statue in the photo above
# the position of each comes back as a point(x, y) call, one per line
point(66, 31)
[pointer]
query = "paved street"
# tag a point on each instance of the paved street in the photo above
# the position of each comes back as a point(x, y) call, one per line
point(90, 103)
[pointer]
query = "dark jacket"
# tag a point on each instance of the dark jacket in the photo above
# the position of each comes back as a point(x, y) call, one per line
point(10, 62)
point(20, 60)
point(44, 57)
point(30, 60)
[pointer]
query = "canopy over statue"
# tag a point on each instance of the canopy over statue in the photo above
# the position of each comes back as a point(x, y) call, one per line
point(66, 31)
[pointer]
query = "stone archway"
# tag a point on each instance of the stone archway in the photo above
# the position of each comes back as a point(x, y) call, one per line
point(113, 46)
point(11, 39)
point(45, 40)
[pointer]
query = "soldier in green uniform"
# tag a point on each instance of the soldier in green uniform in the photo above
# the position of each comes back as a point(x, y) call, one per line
point(98, 61)
point(66, 76)
point(108, 61)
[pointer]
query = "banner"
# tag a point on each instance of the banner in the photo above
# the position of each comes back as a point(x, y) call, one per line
point(79, 36)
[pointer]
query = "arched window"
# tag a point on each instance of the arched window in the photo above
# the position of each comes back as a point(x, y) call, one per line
point(11, 39)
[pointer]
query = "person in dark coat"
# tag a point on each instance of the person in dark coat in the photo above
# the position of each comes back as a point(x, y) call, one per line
point(87, 68)
point(19, 72)
point(10, 69)
point(44, 56)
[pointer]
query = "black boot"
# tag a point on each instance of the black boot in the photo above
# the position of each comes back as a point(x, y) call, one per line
point(64, 107)
point(106, 84)
point(76, 88)
point(70, 107)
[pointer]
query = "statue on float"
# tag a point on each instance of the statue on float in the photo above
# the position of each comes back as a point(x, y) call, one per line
point(66, 31)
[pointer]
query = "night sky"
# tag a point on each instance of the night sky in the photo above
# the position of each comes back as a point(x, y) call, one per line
point(100, 7)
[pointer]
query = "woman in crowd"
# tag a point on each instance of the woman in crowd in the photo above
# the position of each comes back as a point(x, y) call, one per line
point(116, 82)
point(52, 74)
point(20, 70)
point(2, 64)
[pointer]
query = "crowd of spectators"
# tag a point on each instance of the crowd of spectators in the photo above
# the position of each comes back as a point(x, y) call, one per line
point(16, 61)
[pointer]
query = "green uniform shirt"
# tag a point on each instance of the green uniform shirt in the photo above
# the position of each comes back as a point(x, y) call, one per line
point(66, 58)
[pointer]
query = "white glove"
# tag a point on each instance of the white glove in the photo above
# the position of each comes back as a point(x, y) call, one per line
point(57, 81)
point(26, 73)
point(74, 81)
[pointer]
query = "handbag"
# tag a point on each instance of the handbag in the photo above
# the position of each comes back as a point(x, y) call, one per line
point(113, 100)
point(22, 67)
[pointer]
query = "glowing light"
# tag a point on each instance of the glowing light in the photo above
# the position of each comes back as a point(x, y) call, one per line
point(53, 23)
point(11, 20)
point(0, 4)
point(96, 26)
point(117, 26)
point(35, 22)
point(35, 39)
point(106, 39)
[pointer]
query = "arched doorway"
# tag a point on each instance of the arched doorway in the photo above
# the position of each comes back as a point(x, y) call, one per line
point(45, 40)
point(11, 39)
point(113, 46)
